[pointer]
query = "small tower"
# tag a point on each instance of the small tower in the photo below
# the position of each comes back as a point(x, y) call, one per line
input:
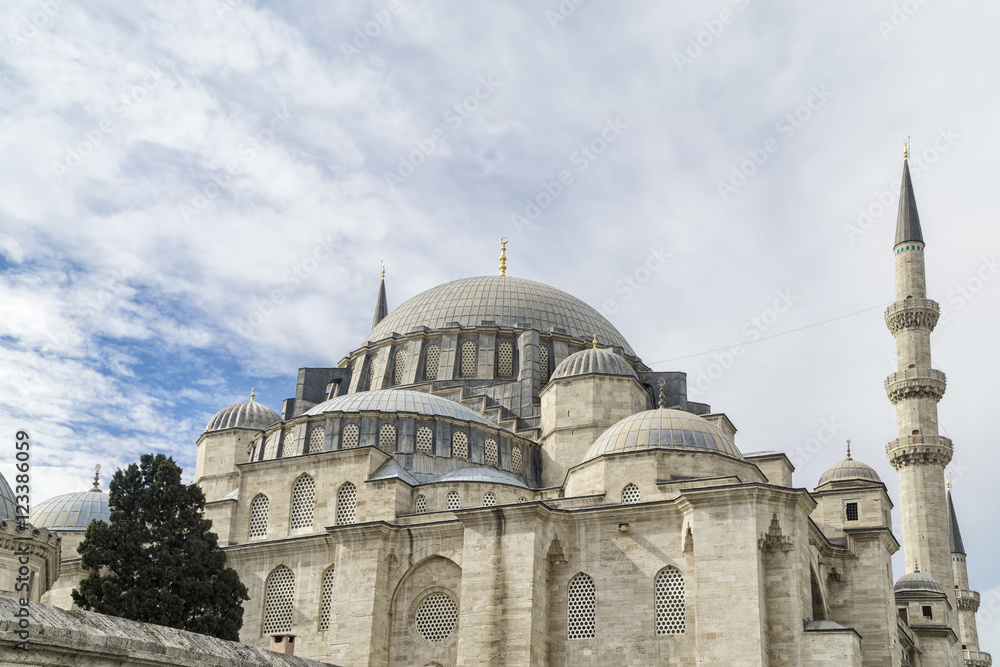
point(968, 600)
point(381, 305)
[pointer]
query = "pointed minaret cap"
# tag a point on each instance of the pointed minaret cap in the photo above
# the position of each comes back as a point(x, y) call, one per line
point(957, 547)
point(381, 306)
point(907, 220)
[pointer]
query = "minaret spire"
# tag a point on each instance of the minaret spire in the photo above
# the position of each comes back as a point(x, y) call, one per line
point(381, 306)
point(907, 220)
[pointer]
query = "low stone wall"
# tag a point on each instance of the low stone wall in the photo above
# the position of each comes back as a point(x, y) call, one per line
point(86, 639)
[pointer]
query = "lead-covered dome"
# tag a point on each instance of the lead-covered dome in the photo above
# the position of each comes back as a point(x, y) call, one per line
point(918, 582)
point(849, 470)
point(593, 361)
point(398, 400)
point(663, 428)
point(72, 511)
point(8, 506)
point(248, 414)
point(500, 301)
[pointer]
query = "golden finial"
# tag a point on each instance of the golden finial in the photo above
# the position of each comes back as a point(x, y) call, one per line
point(252, 394)
point(383, 270)
point(906, 148)
point(948, 482)
point(595, 341)
point(848, 449)
point(503, 256)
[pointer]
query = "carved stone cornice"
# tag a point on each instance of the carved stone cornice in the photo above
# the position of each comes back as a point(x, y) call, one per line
point(919, 450)
point(912, 314)
point(967, 600)
point(977, 659)
point(915, 383)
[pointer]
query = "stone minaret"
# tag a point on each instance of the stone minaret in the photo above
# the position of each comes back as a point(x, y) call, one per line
point(919, 454)
point(381, 305)
point(968, 600)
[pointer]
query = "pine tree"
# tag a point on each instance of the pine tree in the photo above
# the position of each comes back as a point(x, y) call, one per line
point(158, 561)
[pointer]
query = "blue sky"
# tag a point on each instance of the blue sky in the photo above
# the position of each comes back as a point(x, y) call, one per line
point(197, 197)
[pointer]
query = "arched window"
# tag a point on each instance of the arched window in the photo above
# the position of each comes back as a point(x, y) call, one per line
point(271, 446)
point(581, 607)
point(326, 599)
point(468, 367)
point(303, 495)
point(351, 437)
point(459, 445)
point(287, 445)
point(421, 504)
point(522, 499)
point(347, 498)
point(258, 516)
point(668, 599)
point(316, 439)
point(279, 600)
point(387, 438)
point(431, 362)
point(492, 454)
point(425, 440)
point(436, 617)
point(516, 463)
point(372, 360)
point(543, 362)
point(630, 495)
point(400, 369)
point(489, 500)
point(505, 359)
point(453, 502)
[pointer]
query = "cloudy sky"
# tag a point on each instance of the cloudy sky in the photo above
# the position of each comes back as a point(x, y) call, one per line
point(197, 197)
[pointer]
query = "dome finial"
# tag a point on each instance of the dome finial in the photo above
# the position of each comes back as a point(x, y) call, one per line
point(662, 403)
point(947, 482)
point(849, 449)
point(906, 148)
point(595, 341)
point(252, 394)
point(916, 566)
point(383, 270)
point(97, 478)
point(503, 256)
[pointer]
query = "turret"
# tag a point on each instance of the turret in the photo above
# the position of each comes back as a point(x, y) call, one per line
point(967, 599)
point(381, 305)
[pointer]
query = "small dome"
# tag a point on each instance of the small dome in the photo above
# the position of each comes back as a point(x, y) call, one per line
point(593, 360)
point(484, 475)
point(72, 511)
point(663, 428)
point(849, 470)
point(918, 582)
point(8, 506)
point(398, 400)
point(248, 414)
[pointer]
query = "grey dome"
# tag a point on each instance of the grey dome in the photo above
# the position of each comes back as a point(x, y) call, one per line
point(663, 429)
point(72, 511)
point(596, 361)
point(484, 475)
point(849, 470)
point(248, 414)
point(918, 582)
point(504, 301)
point(8, 506)
point(398, 400)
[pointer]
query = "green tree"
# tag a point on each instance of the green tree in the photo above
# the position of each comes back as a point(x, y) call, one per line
point(158, 561)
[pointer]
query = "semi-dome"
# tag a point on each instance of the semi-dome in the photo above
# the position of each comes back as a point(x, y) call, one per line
point(248, 414)
point(483, 475)
point(663, 428)
point(849, 470)
point(72, 511)
point(8, 506)
point(918, 582)
point(398, 400)
point(593, 361)
point(500, 301)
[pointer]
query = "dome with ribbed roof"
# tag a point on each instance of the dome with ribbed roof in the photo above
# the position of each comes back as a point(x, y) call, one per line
point(593, 361)
point(398, 400)
point(499, 301)
point(918, 582)
point(849, 470)
point(481, 475)
point(248, 414)
point(72, 511)
point(663, 428)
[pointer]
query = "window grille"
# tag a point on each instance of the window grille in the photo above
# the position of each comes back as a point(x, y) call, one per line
point(258, 516)
point(316, 439)
point(326, 599)
point(351, 437)
point(425, 440)
point(468, 369)
point(489, 500)
point(852, 511)
point(371, 370)
point(436, 617)
point(630, 495)
point(460, 445)
point(279, 600)
point(271, 446)
point(522, 499)
point(346, 501)
point(303, 495)
point(492, 453)
point(543, 362)
point(288, 444)
point(387, 438)
point(581, 605)
point(432, 361)
point(400, 369)
point(668, 599)
point(928, 612)
point(505, 359)
point(453, 502)
point(516, 464)
point(421, 504)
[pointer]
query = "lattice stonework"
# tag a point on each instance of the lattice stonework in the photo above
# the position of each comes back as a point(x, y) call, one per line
point(288, 444)
point(516, 463)
point(543, 362)
point(468, 368)
point(669, 601)
point(387, 438)
point(630, 495)
point(425, 440)
point(400, 370)
point(351, 437)
point(279, 600)
point(421, 504)
point(505, 359)
point(316, 439)
point(347, 499)
point(271, 447)
point(581, 607)
point(436, 617)
point(303, 497)
point(492, 452)
point(431, 362)
point(258, 516)
point(453, 501)
point(460, 445)
point(489, 500)
point(326, 599)
point(371, 370)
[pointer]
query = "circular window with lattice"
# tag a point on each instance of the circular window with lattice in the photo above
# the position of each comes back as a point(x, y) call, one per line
point(436, 617)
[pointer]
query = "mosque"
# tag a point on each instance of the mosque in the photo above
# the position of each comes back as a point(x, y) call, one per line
point(494, 477)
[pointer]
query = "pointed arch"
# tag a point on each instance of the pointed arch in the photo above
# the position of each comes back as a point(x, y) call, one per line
point(279, 600)
point(581, 607)
point(303, 502)
point(347, 498)
point(326, 599)
point(669, 602)
point(258, 516)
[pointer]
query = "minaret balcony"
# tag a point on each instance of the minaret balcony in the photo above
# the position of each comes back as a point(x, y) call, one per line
point(977, 659)
point(912, 314)
point(919, 450)
point(967, 600)
point(915, 383)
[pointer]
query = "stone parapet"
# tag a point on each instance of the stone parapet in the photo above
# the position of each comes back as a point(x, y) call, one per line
point(912, 314)
point(967, 600)
point(977, 659)
point(915, 383)
point(919, 450)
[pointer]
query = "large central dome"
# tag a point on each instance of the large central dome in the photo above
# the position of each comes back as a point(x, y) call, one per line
point(502, 301)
